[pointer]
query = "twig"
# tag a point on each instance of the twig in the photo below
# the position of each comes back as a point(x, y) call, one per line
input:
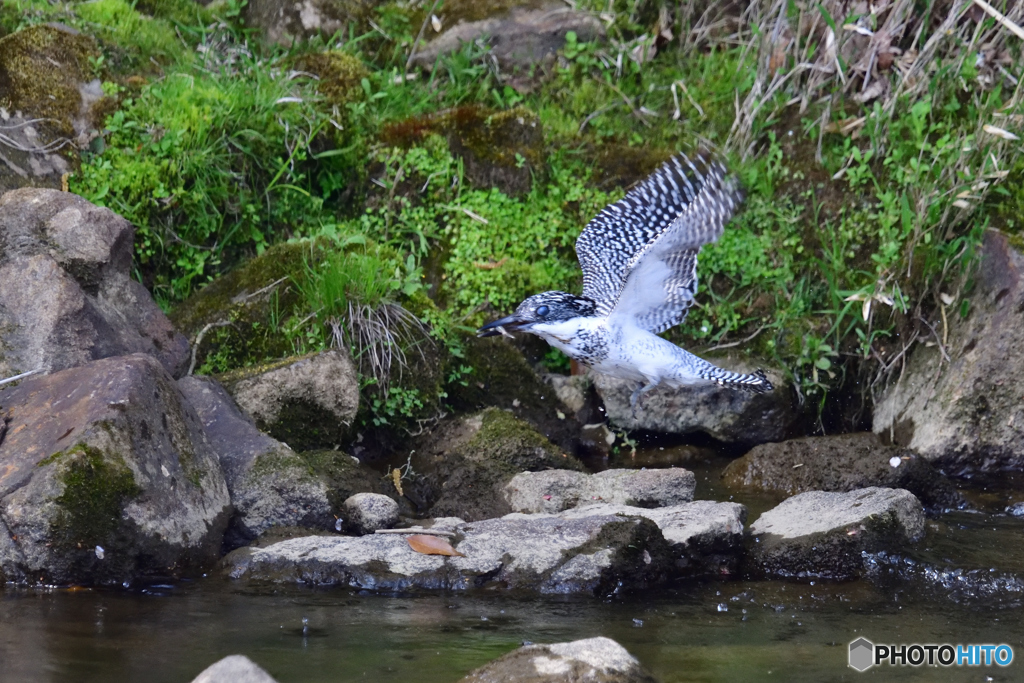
point(21, 376)
point(425, 532)
point(199, 340)
point(419, 37)
point(736, 343)
point(594, 114)
point(1001, 18)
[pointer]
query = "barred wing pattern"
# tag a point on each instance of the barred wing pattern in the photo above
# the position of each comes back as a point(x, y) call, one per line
point(639, 255)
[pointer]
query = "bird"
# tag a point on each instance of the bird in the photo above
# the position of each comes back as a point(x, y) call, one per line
point(639, 263)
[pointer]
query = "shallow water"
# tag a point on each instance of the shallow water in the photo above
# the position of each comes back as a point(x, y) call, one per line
point(710, 631)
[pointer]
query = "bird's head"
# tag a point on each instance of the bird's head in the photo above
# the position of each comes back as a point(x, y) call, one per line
point(546, 307)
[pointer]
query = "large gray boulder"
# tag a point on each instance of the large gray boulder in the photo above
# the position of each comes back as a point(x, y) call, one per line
point(597, 553)
point(593, 660)
point(842, 462)
point(966, 413)
point(727, 414)
point(557, 490)
point(66, 296)
point(830, 535)
point(234, 669)
point(105, 476)
point(308, 402)
point(270, 484)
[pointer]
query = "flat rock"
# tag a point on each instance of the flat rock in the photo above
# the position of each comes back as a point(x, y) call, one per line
point(839, 463)
point(270, 484)
point(594, 660)
point(966, 414)
point(105, 476)
point(826, 534)
point(557, 490)
point(234, 669)
point(726, 414)
point(365, 513)
point(66, 295)
point(307, 401)
point(596, 553)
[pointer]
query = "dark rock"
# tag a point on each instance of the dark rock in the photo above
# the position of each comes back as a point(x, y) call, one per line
point(364, 513)
point(594, 660)
point(839, 463)
point(966, 414)
point(66, 296)
point(557, 490)
point(466, 462)
point(308, 402)
point(519, 34)
point(234, 669)
point(829, 535)
point(726, 414)
point(287, 21)
point(270, 485)
point(595, 553)
point(106, 475)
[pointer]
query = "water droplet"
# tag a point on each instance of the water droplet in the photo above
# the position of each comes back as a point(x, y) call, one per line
point(100, 552)
point(337, 524)
point(894, 461)
point(722, 607)
point(126, 584)
point(638, 623)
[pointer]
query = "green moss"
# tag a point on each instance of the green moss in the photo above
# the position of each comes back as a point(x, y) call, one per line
point(96, 488)
point(340, 76)
point(343, 475)
point(30, 83)
point(505, 439)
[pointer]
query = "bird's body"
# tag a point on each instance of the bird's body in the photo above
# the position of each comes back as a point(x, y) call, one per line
point(639, 260)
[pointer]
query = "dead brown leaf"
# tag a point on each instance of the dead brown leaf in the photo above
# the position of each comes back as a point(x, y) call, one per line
point(432, 545)
point(396, 477)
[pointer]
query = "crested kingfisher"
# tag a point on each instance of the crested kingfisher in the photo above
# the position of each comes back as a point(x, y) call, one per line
point(639, 262)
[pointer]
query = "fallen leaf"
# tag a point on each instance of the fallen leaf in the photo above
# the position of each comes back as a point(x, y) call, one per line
point(432, 545)
point(396, 477)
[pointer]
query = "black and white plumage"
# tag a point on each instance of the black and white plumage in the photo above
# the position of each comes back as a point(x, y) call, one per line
point(639, 261)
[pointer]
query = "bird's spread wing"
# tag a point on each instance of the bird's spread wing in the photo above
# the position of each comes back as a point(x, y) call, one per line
point(639, 255)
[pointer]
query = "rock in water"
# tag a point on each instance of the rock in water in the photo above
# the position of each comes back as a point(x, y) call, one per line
point(270, 484)
point(966, 414)
point(557, 490)
point(108, 454)
point(826, 535)
point(597, 660)
point(234, 669)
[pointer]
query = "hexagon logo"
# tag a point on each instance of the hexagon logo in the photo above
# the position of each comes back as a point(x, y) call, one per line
point(862, 654)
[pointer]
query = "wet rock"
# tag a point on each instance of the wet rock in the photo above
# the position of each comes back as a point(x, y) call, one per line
point(519, 34)
point(729, 415)
point(270, 484)
point(288, 21)
point(600, 660)
point(307, 401)
point(234, 669)
point(466, 462)
point(106, 475)
point(589, 553)
point(364, 513)
point(966, 415)
point(66, 296)
point(557, 490)
point(839, 463)
point(828, 535)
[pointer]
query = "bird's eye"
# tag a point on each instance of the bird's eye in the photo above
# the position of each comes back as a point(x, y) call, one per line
point(542, 311)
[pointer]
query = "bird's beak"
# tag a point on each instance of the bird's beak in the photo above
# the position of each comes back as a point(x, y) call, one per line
point(503, 326)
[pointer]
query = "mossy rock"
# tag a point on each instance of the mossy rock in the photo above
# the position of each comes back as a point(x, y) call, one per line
point(344, 476)
point(339, 76)
point(286, 22)
point(42, 69)
point(466, 462)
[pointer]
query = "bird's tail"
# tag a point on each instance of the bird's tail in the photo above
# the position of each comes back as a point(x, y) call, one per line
point(756, 382)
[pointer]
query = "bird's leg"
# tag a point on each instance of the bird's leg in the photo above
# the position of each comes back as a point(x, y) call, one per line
point(637, 398)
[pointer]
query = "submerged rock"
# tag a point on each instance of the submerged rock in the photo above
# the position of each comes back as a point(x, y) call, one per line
point(364, 513)
point(966, 414)
point(596, 660)
point(557, 490)
point(270, 484)
point(519, 33)
point(724, 413)
point(839, 463)
point(234, 669)
point(596, 553)
point(829, 535)
point(308, 402)
point(66, 295)
point(105, 476)
point(466, 462)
